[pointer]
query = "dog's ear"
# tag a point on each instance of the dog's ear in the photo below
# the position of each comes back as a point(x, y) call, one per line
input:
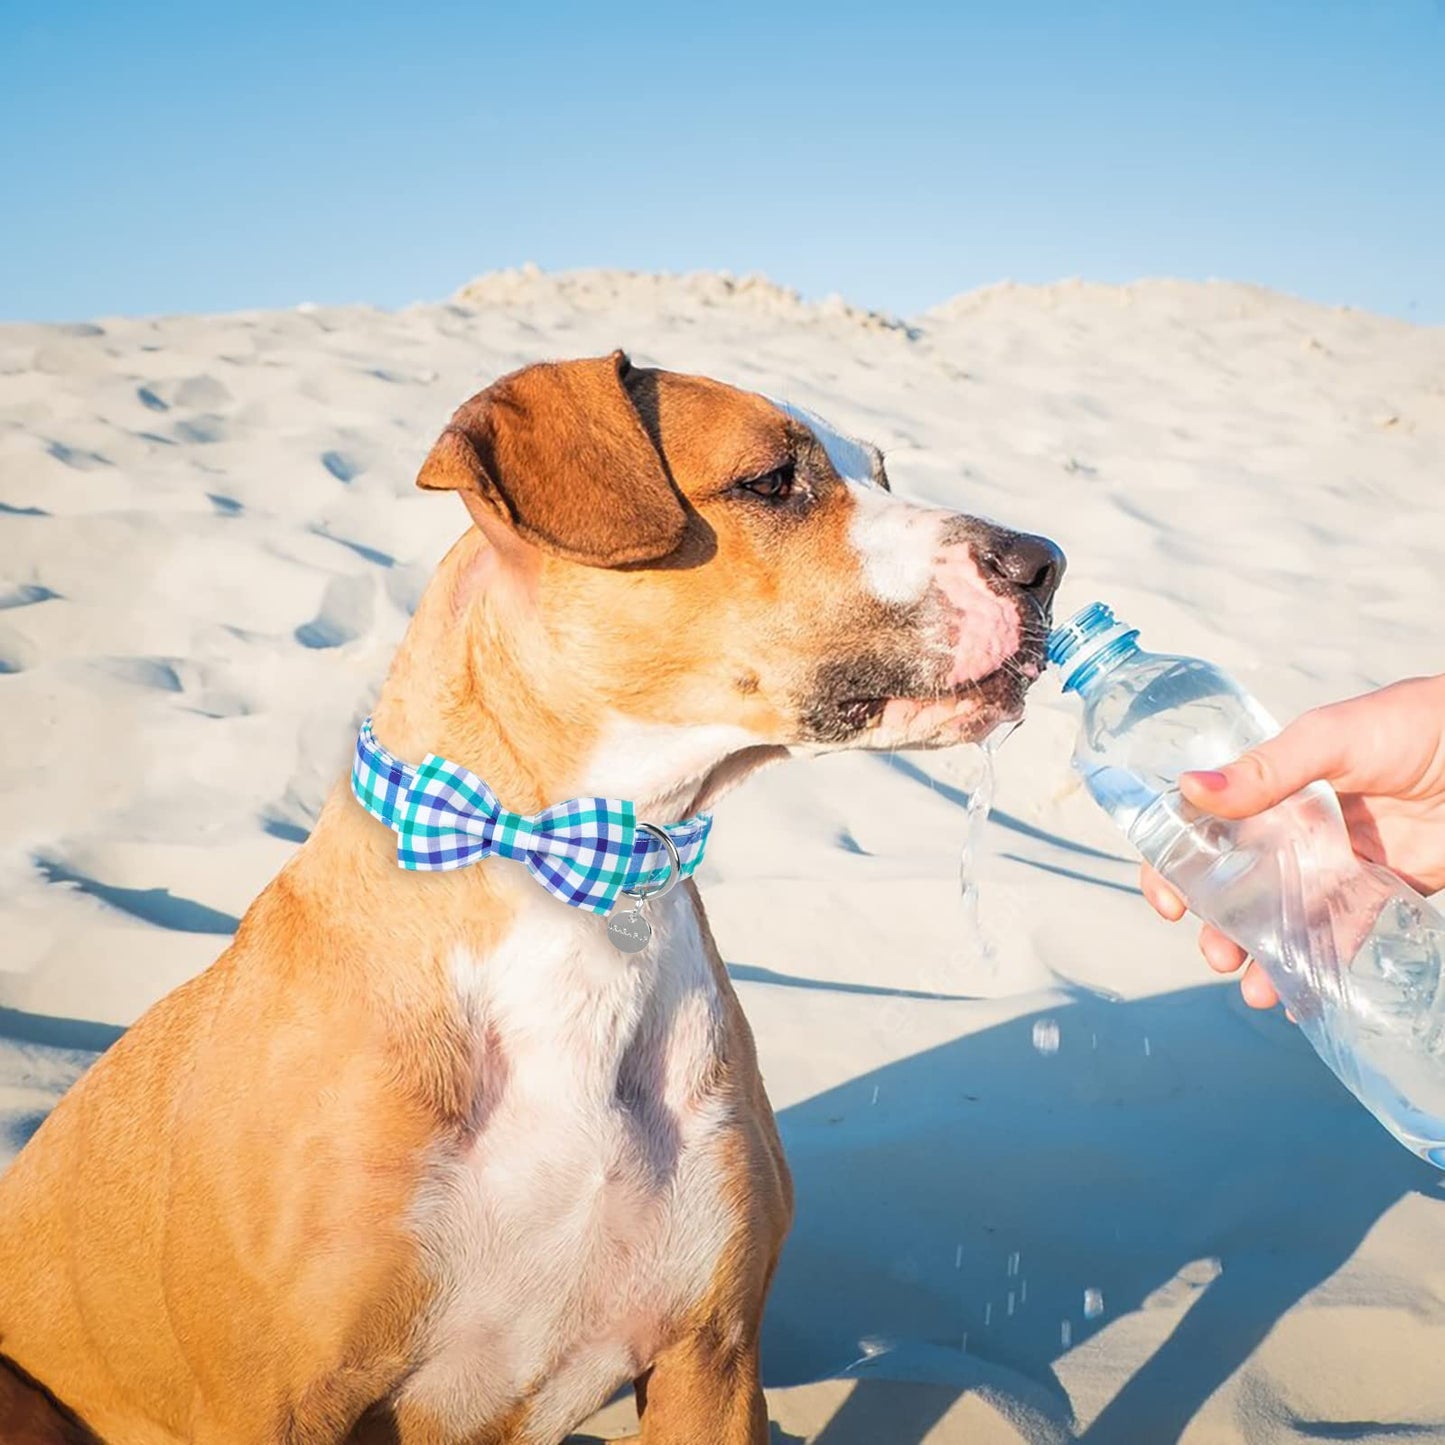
point(559, 454)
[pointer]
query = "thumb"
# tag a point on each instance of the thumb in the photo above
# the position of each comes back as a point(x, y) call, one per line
point(1308, 750)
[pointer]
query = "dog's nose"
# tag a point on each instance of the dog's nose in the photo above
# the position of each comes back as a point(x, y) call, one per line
point(1031, 563)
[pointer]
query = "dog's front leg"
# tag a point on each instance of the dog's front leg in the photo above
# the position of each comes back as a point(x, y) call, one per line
point(707, 1387)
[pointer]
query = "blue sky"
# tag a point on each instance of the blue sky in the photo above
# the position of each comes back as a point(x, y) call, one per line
point(177, 157)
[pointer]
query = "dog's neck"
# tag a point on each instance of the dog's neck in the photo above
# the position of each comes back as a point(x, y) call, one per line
point(476, 682)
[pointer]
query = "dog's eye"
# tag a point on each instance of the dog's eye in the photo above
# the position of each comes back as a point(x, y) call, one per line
point(775, 486)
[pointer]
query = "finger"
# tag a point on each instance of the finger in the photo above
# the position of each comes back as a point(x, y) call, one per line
point(1310, 748)
point(1220, 953)
point(1162, 898)
point(1258, 991)
point(1370, 743)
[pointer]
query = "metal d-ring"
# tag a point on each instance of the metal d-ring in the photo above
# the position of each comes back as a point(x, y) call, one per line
point(647, 895)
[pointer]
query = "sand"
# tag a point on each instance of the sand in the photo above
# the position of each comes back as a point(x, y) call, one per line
point(210, 543)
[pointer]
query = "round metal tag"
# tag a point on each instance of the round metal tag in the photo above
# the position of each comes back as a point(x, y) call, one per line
point(629, 931)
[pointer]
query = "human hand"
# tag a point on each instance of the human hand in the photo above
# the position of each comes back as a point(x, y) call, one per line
point(1383, 753)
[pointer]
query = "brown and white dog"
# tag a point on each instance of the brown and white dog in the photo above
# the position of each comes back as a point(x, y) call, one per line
point(422, 1157)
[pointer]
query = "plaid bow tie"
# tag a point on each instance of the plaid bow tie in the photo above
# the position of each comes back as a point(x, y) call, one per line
point(586, 851)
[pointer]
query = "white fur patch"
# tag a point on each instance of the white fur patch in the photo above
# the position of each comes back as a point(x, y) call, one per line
point(588, 1210)
point(898, 543)
point(896, 540)
point(853, 460)
point(655, 763)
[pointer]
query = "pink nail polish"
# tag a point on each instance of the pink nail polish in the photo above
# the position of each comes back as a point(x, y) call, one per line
point(1210, 780)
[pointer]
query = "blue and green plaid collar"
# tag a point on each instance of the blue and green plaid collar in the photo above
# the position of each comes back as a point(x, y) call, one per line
point(586, 851)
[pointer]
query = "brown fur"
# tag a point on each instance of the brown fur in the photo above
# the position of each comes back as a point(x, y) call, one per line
point(559, 454)
point(29, 1415)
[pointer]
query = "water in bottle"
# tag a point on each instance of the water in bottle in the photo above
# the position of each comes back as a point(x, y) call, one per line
point(1352, 950)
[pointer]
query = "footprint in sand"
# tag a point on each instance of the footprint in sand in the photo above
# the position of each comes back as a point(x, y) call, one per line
point(346, 611)
point(344, 466)
point(202, 429)
point(156, 673)
point(405, 584)
point(222, 702)
point(283, 828)
point(15, 654)
point(204, 393)
point(191, 393)
point(77, 457)
point(26, 595)
point(206, 689)
point(371, 554)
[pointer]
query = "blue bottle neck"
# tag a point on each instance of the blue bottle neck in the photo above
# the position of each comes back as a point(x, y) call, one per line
point(1092, 664)
point(1090, 645)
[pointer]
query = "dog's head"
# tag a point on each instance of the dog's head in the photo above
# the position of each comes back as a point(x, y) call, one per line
point(681, 554)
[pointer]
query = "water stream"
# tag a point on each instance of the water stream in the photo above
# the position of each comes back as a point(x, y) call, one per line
point(976, 815)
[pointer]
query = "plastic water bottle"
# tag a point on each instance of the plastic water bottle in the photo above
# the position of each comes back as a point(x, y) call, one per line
point(1353, 951)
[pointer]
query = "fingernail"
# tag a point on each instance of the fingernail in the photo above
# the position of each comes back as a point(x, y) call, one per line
point(1210, 780)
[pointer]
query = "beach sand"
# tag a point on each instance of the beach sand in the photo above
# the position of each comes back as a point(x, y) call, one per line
point(1055, 1182)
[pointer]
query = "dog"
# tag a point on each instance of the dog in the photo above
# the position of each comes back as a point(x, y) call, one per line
point(423, 1157)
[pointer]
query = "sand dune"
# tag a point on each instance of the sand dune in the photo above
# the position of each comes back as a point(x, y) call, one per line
point(210, 543)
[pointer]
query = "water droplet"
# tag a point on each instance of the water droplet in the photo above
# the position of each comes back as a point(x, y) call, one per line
point(1093, 1303)
point(1013, 1264)
point(1010, 1301)
point(875, 1093)
point(1147, 1050)
point(870, 1347)
point(1046, 1036)
point(1066, 1333)
point(1023, 1291)
point(988, 1314)
point(958, 1258)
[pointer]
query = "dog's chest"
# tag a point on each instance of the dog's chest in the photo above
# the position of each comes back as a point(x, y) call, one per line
point(588, 1209)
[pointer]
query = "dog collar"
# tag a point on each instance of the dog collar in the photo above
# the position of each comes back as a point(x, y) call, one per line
point(585, 852)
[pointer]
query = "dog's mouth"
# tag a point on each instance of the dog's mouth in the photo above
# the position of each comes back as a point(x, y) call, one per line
point(966, 712)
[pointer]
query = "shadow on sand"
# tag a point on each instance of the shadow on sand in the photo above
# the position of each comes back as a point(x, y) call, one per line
point(1163, 1136)
point(990, 1185)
